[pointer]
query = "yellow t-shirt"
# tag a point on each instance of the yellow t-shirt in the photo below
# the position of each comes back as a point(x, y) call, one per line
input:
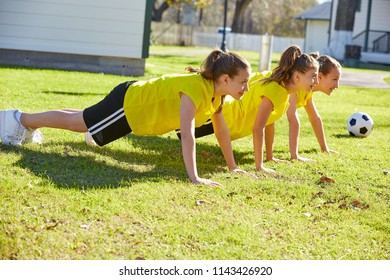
point(153, 107)
point(240, 115)
point(302, 98)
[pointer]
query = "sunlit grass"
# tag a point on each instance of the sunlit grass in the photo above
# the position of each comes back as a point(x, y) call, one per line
point(132, 199)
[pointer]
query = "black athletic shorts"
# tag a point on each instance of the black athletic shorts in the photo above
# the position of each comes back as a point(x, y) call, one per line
point(106, 120)
point(200, 131)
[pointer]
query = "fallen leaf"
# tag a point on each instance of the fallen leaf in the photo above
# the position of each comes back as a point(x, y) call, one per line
point(231, 194)
point(386, 172)
point(307, 214)
point(51, 226)
point(200, 202)
point(356, 203)
point(326, 179)
point(343, 206)
point(205, 154)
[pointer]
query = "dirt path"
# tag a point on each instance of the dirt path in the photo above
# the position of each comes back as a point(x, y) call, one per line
point(364, 79)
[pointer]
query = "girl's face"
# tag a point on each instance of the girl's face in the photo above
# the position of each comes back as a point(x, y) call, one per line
point(328, 83)
point(236, 86)
point(307, 81)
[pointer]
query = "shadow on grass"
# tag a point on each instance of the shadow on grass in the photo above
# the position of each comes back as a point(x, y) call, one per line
point(346, 136)
point(73, 93)
point(151, 159)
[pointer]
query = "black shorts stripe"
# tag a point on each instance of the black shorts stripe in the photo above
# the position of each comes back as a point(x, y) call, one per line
point(106, 120)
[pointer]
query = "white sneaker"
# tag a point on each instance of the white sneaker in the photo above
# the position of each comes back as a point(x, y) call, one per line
point(11, 130)
point(33, 136)
point(89, 139)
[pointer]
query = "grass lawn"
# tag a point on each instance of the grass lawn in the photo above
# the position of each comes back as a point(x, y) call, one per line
point(132, 200)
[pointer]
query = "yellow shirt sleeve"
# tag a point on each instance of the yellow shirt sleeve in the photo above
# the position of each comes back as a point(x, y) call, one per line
point(303, 97)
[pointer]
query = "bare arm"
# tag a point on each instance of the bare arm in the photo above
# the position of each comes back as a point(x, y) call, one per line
point(294, 126)
point(316, 123)
point(269, 141)
point(223, 136)
point(187, 128)
point(263, 113)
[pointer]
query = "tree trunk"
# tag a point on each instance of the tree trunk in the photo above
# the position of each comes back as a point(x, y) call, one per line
point(238, 19)
point(158, 12)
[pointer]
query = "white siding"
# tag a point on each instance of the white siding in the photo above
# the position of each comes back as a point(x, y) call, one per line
point(317, 34)
point(379, 21)
point(360, 19)
point(84, 27)
point(380, 11)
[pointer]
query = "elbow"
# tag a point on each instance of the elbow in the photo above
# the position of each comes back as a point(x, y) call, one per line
point(258, 131)
point(316, 120)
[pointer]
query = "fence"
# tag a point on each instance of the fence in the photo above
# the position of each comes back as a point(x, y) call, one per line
point(185, 35)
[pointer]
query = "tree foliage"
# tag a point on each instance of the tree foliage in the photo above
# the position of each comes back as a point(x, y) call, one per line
point(159, 7)
point(275, 17)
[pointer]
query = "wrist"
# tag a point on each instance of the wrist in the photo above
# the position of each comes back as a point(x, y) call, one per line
point(232, 167)
point(194, 179)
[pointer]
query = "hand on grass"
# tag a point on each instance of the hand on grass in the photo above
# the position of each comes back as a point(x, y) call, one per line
point(240, 171)
point(268, 171)
point(276, 160)
point(304, 159)
point(331, 152)
point(207, 182)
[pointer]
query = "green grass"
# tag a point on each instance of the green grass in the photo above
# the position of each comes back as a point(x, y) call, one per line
point(132, 199)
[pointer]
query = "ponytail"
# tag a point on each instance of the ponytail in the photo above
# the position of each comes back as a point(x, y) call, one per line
point(292, 59)
point(219, 63)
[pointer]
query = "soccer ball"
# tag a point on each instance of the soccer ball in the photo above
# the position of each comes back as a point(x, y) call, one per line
point(360, 124)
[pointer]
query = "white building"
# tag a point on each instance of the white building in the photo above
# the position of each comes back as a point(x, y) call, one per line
point(371, 30)
point(86, 35)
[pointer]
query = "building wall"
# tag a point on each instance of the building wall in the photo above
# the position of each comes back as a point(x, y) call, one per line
point(95, 28)
point(316, 37)
point(380, 11)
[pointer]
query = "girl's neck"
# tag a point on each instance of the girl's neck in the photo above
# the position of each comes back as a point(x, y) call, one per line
point(291, 88)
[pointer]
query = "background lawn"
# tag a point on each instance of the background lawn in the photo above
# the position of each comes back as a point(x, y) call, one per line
point(132, 199)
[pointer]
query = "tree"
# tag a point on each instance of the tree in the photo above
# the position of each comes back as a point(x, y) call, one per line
point(158, 10)
point(276, 17)
point(159, 7)
point(342, 35)
point(239, 15)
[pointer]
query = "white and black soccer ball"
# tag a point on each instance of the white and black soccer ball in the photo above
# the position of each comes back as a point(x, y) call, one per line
point(360, 125)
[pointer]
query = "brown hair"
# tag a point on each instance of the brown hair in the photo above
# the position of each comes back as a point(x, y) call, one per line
point(219, 63)
point(326, 62)
point(292, 59)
